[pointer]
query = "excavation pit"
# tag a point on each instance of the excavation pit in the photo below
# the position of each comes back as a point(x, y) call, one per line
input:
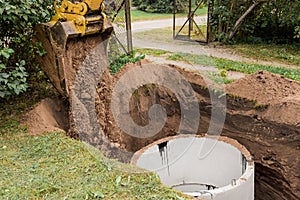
point(205, 167)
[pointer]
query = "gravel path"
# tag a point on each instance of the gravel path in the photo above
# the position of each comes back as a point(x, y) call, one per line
point(141, 26)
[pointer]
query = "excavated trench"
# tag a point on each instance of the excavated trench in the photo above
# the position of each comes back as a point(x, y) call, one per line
point(267, 125)
point(262, 114)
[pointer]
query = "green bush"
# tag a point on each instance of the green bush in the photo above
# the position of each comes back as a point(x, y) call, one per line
point(12, 81)
point(271, 21)
point(159, 6)
point(297, 32)
point(17, 57)
point(120, 61)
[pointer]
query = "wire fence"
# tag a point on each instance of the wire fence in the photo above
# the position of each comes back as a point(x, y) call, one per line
point(118, 44)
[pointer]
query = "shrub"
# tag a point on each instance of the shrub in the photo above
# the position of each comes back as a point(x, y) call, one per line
point(17, 56)
point(297, 32)
point(159, 6)
point(120, 61)
point(272, 20)
point(12, 81)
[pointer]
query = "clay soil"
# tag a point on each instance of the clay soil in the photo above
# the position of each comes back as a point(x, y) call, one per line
point(262, 114)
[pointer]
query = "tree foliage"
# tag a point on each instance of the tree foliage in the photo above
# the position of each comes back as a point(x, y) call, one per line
point(17, 52)
point(160, 6)
point(271, 20)
point(297, 32)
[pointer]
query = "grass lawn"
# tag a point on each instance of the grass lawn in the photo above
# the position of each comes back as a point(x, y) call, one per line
point(223, 64)
point(230, 65)
point(138, 15)
point(196, 34)
point(285, 53)
point(161, 34)
point(54, 166)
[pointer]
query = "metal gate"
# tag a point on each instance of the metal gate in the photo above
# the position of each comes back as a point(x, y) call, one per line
point(120, 43)
point(195, 27)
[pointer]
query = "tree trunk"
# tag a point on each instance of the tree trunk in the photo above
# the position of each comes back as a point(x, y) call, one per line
point(241, 19)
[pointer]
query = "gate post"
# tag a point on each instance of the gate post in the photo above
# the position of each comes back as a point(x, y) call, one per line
point(128, 26)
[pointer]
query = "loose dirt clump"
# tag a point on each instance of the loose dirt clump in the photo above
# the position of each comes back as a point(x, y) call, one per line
point(48, 115)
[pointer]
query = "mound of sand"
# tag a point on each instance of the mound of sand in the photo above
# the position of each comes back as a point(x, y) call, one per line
point(264, 87)
point(285, 111)
point(47, 115)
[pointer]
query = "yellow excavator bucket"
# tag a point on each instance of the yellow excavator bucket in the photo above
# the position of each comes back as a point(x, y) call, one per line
point(77, 18)
point(75, 29)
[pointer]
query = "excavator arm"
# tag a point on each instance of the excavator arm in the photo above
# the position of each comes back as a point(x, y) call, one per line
point(76, 28)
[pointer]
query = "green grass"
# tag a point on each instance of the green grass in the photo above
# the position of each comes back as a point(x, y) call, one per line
point(219, 78)
point(235, 65)
point(190, 58)
point(122, 60)
point(223, 64)
point(285, 53)
point(252, 68)
point(54, 166)
point(155, 52)
point(165, 35)
point(138, 15)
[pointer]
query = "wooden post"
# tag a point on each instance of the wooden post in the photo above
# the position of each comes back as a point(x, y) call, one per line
point(128, 27)
point(190, 19)
point(174, 18)
point(209, 36)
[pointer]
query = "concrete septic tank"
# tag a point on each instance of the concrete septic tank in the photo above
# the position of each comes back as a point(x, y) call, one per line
point(210, 168)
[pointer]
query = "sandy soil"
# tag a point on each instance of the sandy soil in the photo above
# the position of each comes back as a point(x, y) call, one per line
point(265, 87)
point(47, 115)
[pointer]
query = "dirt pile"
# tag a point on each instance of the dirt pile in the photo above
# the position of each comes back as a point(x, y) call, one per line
point(48, 115)
point(279, 94)
point(285, 111)
point(264, 87)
